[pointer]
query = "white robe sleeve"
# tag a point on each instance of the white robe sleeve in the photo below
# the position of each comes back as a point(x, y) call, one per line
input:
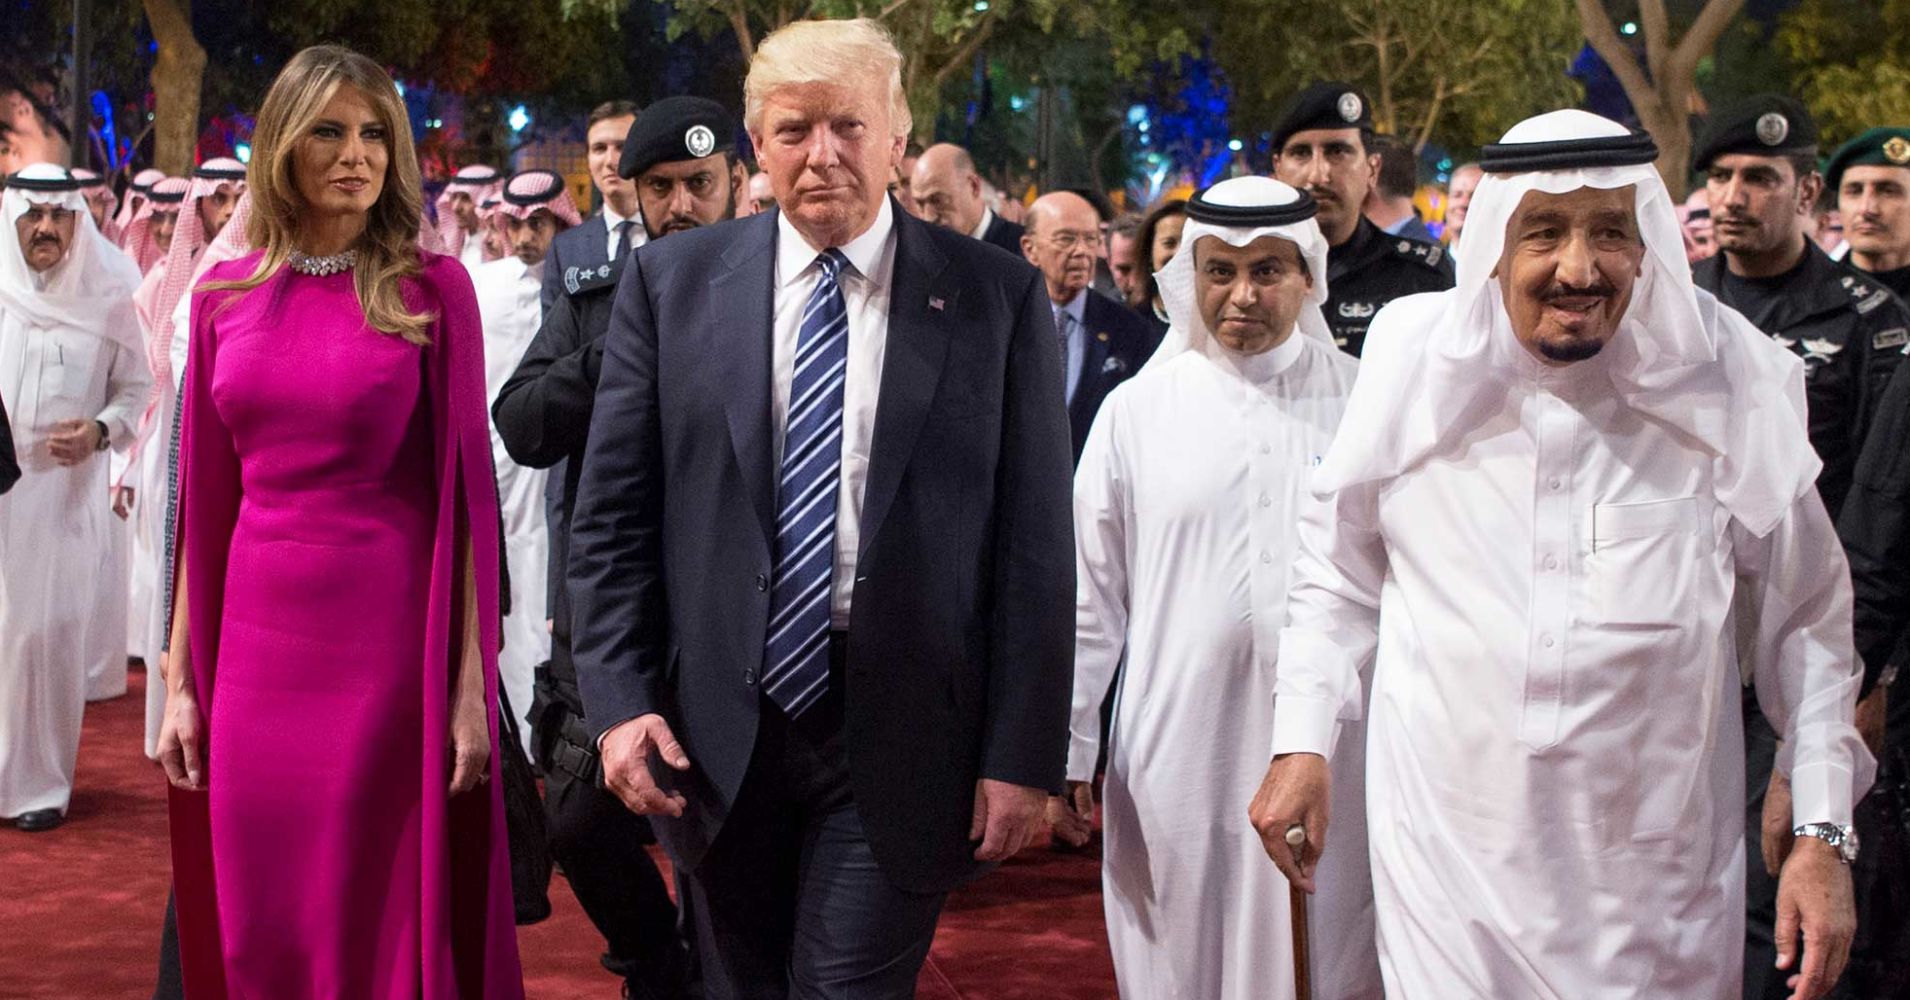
point(128, 380)
point(181, 337)
point(1804, 665)
point(1101, 588)
point(1332, 619)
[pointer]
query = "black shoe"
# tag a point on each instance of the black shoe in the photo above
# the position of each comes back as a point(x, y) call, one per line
point(39, 820)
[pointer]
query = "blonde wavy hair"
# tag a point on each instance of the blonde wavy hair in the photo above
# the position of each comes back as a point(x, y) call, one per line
point(388, 248)
point(845, 51)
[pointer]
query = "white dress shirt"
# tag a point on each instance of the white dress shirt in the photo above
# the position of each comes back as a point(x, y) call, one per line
point(866, 283)
point(981, 228)
point(638, 235)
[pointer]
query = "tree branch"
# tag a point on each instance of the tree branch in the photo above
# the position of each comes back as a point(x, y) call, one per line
point(739, 23)
point(963, 54)
point(1703, 36)
point(1657, 29)
point(1603, 35)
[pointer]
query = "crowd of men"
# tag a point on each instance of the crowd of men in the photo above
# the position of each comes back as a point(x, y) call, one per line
point(1199, 547)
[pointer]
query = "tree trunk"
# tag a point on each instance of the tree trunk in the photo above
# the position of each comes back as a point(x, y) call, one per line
point(178, 75)
point(1659, 92)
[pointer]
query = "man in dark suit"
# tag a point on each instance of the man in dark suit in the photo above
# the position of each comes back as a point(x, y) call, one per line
point(1102, 343)
point(821, 557)
point(617, 228)
point(948, 192)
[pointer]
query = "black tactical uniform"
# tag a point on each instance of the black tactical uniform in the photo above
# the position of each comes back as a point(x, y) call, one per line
point(542, 415)
point(1371, 269)
point(1850, 331)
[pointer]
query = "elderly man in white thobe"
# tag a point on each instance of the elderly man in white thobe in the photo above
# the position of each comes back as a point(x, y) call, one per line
point(1185, 502)
point(73, 379)
point(533, 208)
point(1571, 500)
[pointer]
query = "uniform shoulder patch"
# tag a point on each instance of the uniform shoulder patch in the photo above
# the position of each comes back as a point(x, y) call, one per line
point(1865, 293)
point(1419, 251)
point(1884, 340)
point(586, 280)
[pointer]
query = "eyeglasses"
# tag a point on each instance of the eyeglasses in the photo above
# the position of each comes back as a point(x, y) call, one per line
point(1067, 241)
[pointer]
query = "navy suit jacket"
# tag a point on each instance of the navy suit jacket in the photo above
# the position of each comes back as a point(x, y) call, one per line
point(961, 645)
point(1004, 234)
point(583, 245)
point(1119, 342)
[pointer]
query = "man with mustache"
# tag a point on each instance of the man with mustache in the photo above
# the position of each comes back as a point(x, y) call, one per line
point(1102, 343)
point(73, 381)
point(1564, 496)
point(1325, 146)
point(1870, 178)
point(542, 417)
point(1184, 510)
point(1759, 160)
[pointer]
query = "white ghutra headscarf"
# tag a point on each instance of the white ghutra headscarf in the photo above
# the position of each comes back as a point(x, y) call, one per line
point(1238, 212)
point(1435, 363)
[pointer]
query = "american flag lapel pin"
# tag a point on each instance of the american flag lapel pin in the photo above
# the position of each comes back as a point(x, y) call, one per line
point(936, 304)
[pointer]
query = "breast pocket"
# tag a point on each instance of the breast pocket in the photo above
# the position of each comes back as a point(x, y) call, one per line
point(64, 375)
point(1644, 559)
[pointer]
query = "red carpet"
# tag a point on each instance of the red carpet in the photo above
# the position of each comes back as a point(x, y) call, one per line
point(80, 907)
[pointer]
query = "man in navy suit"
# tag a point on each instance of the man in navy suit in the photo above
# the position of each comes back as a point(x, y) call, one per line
point(618, 227)
point(947, 191)
point(821, 557)
point(1102, 342)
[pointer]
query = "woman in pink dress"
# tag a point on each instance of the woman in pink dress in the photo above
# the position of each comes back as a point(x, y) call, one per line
point(330, 729)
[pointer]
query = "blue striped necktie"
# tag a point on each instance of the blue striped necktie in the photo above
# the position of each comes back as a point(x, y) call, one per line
point(796, 655)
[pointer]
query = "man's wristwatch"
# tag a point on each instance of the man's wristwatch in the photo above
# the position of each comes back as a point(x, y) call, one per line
point(105, 436)
point(1843, 838)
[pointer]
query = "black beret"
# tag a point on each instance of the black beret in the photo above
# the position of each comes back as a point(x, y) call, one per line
point(676, 129)
point(1325, 104)
point(1762, 125)
point(1888, 146)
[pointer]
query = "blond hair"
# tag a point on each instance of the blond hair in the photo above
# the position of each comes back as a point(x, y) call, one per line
point(826, 52)
point(388, 248)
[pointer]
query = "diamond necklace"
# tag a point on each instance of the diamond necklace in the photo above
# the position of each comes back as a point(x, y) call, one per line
point(304, 263)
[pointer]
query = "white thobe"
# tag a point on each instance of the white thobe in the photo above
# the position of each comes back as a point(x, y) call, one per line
point(508, 293)
point(1184, 508)
point(56, 548)
point(1555, 777)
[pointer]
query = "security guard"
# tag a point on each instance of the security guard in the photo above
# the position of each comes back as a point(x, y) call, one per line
point(1759, 160)
point(1870, 177)
point(681, 154)
point(1324, 146)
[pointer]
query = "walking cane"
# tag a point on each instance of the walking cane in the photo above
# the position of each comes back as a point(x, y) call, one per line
point(1302, 962)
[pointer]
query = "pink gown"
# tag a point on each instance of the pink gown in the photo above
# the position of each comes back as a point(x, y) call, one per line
point(330, 476)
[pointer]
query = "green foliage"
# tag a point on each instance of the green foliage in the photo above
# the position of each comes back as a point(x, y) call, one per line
point(1851, 62)
point(1456, 72)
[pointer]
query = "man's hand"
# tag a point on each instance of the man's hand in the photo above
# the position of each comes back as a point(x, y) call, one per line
point(1294, 791)
point(123, 501)
point(1814, 895)
point(1007, 817)
point(73, 441)
point(1871, 713)
point(1072, 815)
point(625, 751)
point(1776, 823)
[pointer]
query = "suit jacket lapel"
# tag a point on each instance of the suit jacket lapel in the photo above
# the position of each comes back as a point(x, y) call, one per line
point(1094, 355)
point(743, 298)
point(921, 307)
point(596, 241)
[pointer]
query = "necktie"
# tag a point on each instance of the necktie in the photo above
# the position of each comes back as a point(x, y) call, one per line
point(1063, 325)
point(796, 654)
point(623, 238)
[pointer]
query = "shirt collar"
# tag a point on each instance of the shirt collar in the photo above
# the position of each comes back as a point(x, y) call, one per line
point(981, 228)
point(1076, 307)
point(794, 255)
point(612, 220)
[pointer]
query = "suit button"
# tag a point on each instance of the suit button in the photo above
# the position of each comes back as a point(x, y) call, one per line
point(762, 582)
point(749, 676)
